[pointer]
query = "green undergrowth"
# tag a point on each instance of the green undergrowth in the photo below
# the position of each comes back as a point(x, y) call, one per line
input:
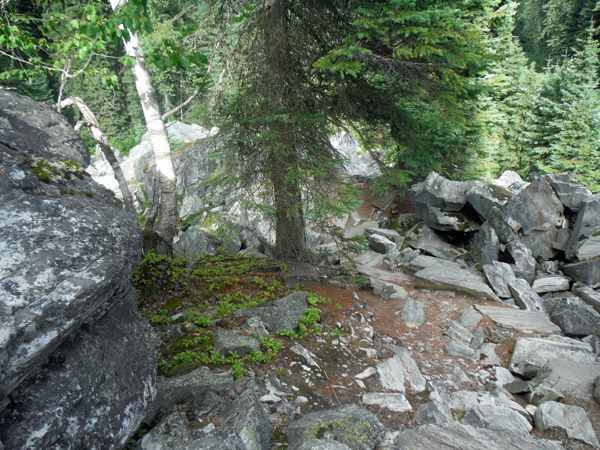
point(198, 299)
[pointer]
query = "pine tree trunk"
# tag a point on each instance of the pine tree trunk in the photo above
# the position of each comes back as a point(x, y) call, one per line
point(290, 227)
point(166, 223)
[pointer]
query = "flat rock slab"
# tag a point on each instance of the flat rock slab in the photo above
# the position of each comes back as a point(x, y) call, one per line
point(453, 435)
point(550, 284)
point(572, 419)
point(387, 290)
point(384, 275)
point(457, 280)
point(349, 424)
point(392, 401)
point(531, 354)
point(520, 320)
point(395, 371)
point(573, 379)
point(421, 262)
point(369, 259)
point(470, 319)
point(589, 295)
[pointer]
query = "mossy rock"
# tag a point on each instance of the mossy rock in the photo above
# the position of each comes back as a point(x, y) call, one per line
point(349, 424)
point(55, 170)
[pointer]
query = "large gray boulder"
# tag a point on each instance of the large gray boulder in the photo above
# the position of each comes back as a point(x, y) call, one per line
point(584, 243)
point(575, 320)
point(349, 424)
point(458, 280)
point(439, 192)
point(536, 211)
point(586, 272)
point(483, 197)
point(197, 241)
point(589, 295)
point(499, 276)
point(571, 195)
point(102, 379)
point(68, 251)
point(35, 127)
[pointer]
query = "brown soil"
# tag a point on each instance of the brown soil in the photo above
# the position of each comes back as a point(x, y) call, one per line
point(358, 319)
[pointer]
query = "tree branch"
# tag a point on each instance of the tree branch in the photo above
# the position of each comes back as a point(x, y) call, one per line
point(181, 106)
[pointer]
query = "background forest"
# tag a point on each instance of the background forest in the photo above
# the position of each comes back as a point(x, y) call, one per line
point(466, 88)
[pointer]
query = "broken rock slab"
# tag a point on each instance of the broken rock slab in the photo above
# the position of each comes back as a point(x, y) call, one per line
point(393, 401)
point(531, 354)
point(551, 284)
point(520, 320)
point(457, 280)
point(584, 243)
point(422, 262)
point(524, 266)
point(485, 246)
point(483, 197)
point(572, 419)
point(438, 249)
point(571, 195)
point(391, 235)
point(499, 275)
point(469, 319)
point(251, 421)
point(186, 387)
point(573, 379)
point(380, 243)
point(586, 272)
point(454, 435)
point(440, 192)
point(396, 371)
point(432, 413)
point(524, 295)
point(588, 294)
point(349, 424)
point(387, 290)
point(455, 349)
point(575, 320)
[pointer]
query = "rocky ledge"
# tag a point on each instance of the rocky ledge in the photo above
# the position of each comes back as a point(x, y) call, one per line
point(77, 362)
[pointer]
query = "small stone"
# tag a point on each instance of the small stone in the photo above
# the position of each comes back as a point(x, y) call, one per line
point(369, 372)
point(478, 339)
point(469, 319)
point(524, 295)
point(462, 376)
point(392, 401)
point(456, 349)
point(503, 376)
point(413, 313)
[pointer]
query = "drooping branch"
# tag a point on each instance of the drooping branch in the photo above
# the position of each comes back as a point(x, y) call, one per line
point(92, 123)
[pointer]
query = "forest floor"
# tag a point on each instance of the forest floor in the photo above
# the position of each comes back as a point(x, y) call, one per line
point(353, 323)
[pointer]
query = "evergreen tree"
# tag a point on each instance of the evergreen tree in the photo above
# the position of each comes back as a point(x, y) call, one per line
point(512, 124)
point(571, 105)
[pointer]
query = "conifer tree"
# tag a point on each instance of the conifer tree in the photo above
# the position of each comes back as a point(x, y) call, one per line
point(570, 105)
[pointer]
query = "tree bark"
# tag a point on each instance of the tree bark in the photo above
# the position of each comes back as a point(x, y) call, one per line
point(102, 141)
point(290, 226)
point(166, 223)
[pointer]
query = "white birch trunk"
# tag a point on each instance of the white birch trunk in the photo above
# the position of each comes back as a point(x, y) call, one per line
point(165, 172)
